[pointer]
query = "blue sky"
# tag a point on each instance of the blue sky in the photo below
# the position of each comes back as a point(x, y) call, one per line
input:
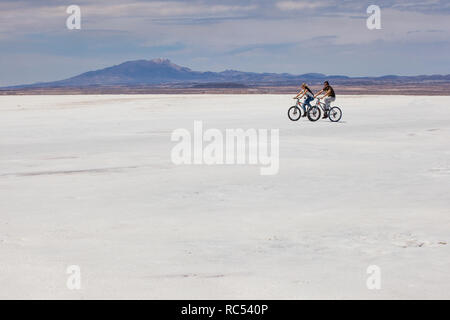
point(292, 36)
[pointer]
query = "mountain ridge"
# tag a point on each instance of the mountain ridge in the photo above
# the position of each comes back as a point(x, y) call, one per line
point(162, 71)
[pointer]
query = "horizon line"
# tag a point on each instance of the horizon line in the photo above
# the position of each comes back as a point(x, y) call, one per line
point(163, 60)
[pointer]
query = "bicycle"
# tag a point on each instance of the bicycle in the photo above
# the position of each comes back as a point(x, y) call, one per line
point(315, 112)
point(295, 112)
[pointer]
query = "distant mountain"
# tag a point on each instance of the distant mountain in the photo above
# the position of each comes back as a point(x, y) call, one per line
point(164, 72)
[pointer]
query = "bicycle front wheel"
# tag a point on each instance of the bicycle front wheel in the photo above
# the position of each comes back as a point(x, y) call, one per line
point(294, 113)
point(314, 114)
point(335, 114)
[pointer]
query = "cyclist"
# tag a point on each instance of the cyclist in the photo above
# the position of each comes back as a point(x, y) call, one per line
point(305, 91)
point(329, 95)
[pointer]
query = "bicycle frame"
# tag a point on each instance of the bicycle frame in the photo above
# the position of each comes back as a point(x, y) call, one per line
point(299, 105)
point(321, 105)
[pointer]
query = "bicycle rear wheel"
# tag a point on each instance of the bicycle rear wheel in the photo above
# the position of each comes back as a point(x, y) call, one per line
point(314, 114)
point(335, 114)
point(294, 113)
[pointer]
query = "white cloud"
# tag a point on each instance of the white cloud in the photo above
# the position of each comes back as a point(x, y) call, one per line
point(299, 5)
point(212, 34)
point(19, 18)
point(164, 9)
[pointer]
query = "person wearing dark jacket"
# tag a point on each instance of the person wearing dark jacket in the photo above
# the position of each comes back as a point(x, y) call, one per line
point(328, 95)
